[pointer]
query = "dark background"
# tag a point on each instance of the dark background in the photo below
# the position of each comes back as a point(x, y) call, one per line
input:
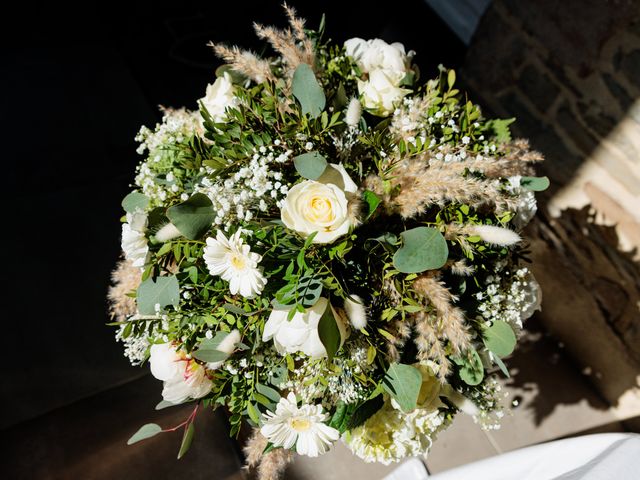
point(75, 86)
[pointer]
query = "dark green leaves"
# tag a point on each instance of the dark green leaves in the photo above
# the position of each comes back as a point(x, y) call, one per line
point(193, 218)
point(500, 127)
point(423, 248)
point(304, 291)
point(308, 91)
point(310, 165)
point(187, 438)
point(471, 368)
point(403, 383)
point(146, 431)
point(163, 291)
point(372, 201)
point(135, 201)
point(208, 349)
point(329, 332)
point(500, 339)
point(364, 412)
point(536, 184)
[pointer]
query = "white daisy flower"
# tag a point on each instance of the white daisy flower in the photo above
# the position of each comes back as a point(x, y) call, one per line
point(302, 427)
point(234, 262)
point(134, 242)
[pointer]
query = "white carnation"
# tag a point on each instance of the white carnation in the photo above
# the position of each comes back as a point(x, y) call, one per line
point(134, 241)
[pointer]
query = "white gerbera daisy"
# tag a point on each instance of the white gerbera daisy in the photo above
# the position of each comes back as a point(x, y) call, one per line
point(234, 262)
point(302, 427)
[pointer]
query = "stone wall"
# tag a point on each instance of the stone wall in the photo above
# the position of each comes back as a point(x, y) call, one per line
point(570, 72)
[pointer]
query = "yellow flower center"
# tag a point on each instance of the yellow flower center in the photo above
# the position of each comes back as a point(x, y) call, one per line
point(320, 210)
point(300, 424)
point(238, 262)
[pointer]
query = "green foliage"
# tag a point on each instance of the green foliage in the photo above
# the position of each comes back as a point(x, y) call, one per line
point(500, 339)
point(135, 201)
point(403, 383)
point(193, 218)
point(364, 411)
point(310, 165)
point(146, 431)
point(423, 248)
point(308, 91)
point(162, 291)
point(501, 129)
point(329, 332)
point(208, 349)
point(535, 184)
point(471, 369)
point(187, 438)
point(372, 201)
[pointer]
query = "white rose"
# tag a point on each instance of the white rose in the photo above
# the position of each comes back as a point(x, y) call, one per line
point(320, 206)
point(376, 54)
point(134, 241)
point(219, 96)
point(183, 378)
point(380, 94)
point(300, 334)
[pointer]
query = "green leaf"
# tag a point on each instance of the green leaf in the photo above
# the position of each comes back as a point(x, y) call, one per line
point(329, 332)
point(164, 404)
point(268, 392)
point(308, 91)
point(310, 165)
point(535, 184)
point(471, 368)
point(372, 201)
point(187, 438)
point(163, 291)
point(451, 78)
point(501, 365)
point(135, 201)
point(254, 413)
point(337, 419)
point(309, 290)
point(500, 339)
point(423, 248)
point(500, 127)
point(364, 412)
point(208, 349)
point(403, 383)
point(146, 431)
point(194, 217)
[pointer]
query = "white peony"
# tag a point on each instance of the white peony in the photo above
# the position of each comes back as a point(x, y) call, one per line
point(183, 378)
point(134, 241)
point(301, 426)
point(381, 94)
point(376, 54)
point(234, 262)
point(320, 206)
point(219, 96)
point(300, 334)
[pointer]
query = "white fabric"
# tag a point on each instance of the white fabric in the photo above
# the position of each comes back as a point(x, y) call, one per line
point(591, 457)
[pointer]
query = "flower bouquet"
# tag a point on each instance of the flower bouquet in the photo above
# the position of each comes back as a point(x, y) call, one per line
point(327, 249)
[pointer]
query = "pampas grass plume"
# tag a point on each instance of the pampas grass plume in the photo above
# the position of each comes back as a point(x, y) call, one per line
point(496, 235)
point(354, 112)
point(168, 232)
point(356, 312)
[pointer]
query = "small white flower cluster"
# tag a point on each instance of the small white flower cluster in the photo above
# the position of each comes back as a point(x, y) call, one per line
point(391, 435)
point(490, 399)
point(135, 348)
point(250, 189)
point(509, 296)
point(344, 386)
point(527, 204)
point(176, 127)
point(304, 380)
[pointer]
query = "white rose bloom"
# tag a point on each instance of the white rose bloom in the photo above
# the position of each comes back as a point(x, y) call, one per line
point(234, 262)
point(219, 96)
point(183, 378)
point(380, 94)
point(320, 206)
point(301, 426)
point(300, 334)
point(134, 241)
point(376, 54)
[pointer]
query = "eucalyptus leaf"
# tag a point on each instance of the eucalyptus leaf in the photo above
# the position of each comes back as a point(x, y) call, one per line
point(329, 332)
point(135, 201)
point(423, 248)
point(164, 404)
point(164, 291)
point(268, 392)
point(208, 349)
point(308, 91)
point(535, 184)
point(187, 438)
point(500, 339)
point(310, 165)
point(254, 413)
point(194, 217)
point(501, 365)
point(146, 431)
point(471, 368)
point(403, 383)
